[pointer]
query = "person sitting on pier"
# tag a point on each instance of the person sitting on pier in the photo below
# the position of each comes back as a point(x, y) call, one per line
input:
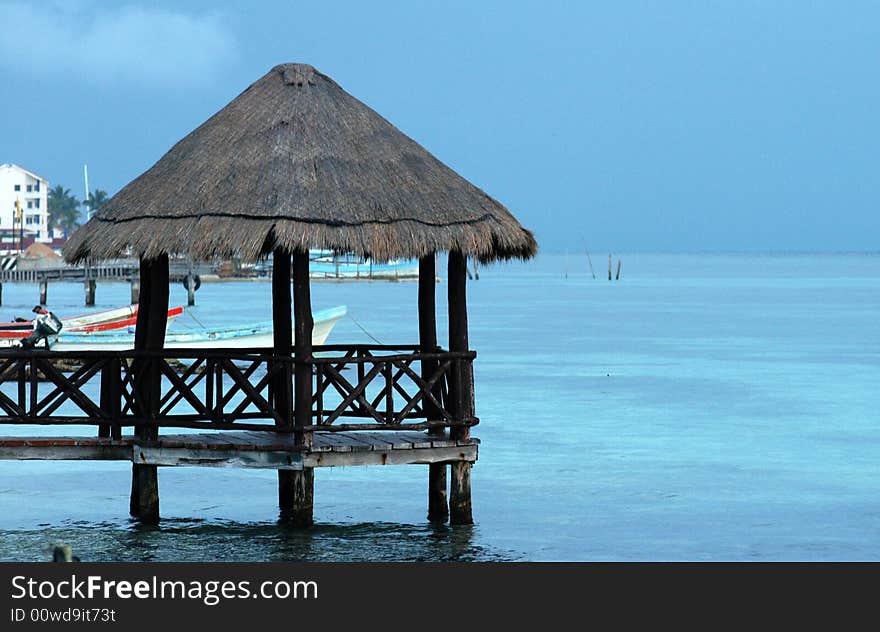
point(45, 324)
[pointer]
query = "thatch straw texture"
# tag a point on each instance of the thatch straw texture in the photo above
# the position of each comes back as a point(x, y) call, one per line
point(295, 161)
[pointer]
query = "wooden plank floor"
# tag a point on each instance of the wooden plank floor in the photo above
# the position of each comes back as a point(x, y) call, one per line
point(250, 449)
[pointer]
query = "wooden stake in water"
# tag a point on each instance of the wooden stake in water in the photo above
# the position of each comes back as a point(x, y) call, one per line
point(89, 286)
point(461, 391)
point(63, 553)
point(609, 267)
point(589, 260)
point(190, 284)
point(617, 277)
point(438, 505)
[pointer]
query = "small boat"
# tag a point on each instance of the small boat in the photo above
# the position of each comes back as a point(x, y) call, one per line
point(107, 320)
point(324, 264)
point(254, 336)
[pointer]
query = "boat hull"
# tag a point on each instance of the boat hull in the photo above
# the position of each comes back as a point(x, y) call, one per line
point(107, 321)
point(323, 264)
point(258, 336)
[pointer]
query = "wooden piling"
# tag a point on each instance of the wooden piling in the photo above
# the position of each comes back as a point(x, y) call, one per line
point(303, 327)
point(44, 291)
point(303, 480)
point(190, 285)
point(152, 320)
point(295, 487)
point(190, 290)
point(135, 290)
point(111, 394)
point(89, 286)
point(282, 335)
point(281, 386)
point(63, 553)
point(462, 391)
point(617, 276)
point(609, 267)
point(296, 496)
point(438, 506)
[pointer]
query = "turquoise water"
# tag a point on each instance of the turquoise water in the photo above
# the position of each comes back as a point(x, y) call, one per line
point(704, 407)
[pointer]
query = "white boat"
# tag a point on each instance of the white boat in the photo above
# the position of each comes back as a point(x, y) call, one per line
point(324, 264)
point(259, 335)
point(120, 318)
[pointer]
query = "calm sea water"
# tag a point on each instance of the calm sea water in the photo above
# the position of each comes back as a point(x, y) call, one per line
point(704, 407)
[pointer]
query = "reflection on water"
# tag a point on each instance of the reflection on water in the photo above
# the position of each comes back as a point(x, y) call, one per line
point(204, 541)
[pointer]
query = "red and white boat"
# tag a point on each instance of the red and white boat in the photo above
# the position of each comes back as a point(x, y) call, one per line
point(108, 320)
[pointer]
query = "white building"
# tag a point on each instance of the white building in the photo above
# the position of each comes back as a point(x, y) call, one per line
point(32, 192)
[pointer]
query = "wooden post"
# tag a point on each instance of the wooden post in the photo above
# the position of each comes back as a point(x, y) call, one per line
point(303, 480)
point(282, 335)
point(295, 487)
point(438, 507)
point(89, 285)
point(152, 320)
point(63, 553)
point(303, 326)
point(1, 294)
point(111, 392)
point(44, 291)
point(143, 503)
point(135, 290)
point(609, 267)
point(190, 285)
point(461, 388)
point(617, 276)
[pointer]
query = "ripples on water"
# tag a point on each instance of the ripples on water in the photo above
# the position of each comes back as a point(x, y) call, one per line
point(205, 541)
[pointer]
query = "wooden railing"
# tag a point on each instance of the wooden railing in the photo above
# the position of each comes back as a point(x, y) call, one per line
point(354, 387)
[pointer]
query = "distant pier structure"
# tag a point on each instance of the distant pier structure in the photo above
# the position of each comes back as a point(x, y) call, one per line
point(322, 266)
point(126, 271)
point(293, 163)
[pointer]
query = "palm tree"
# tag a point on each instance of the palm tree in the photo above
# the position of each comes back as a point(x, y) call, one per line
point(63, 210)
point(96, 200)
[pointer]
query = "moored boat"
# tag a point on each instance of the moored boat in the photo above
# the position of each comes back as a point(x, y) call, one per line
point(108, 320)
point(253, 336)
point(324, 264)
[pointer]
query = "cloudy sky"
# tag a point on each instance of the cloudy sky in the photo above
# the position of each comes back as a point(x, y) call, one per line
point(651, 126)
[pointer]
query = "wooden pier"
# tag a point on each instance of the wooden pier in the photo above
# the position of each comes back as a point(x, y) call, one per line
point(125, 271)
point(109, 272)
point(370, 405)
point(294, 163)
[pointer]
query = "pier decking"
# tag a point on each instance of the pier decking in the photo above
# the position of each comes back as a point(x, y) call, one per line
point(264, 450)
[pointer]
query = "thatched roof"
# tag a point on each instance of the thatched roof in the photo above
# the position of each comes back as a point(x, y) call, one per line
point(38, 250)
point(295, 161)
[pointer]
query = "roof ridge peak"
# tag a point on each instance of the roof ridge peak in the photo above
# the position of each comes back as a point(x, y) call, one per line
point(296, 74)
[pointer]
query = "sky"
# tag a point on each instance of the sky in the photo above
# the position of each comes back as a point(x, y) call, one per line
point(610, 126)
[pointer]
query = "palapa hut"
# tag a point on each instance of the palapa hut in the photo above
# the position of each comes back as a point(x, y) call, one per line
point(295, 162)
point(38, 256)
